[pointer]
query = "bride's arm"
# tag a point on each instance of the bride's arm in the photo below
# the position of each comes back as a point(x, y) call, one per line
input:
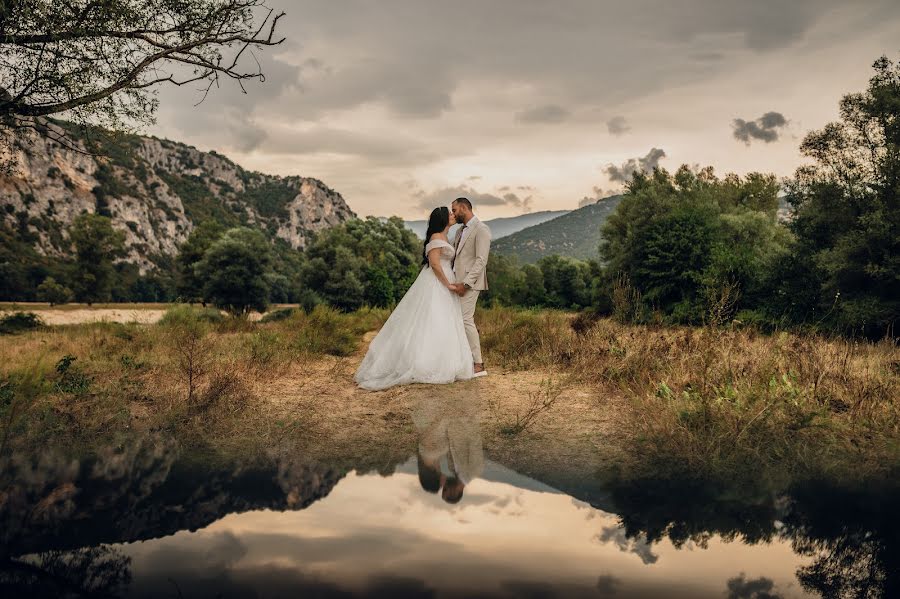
point(434, 261)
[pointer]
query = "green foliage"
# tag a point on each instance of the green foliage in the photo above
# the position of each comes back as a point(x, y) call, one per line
point(184, 315)
point(679, 239)
point(362, 261)
point(554, 282)
point(270, 197)
point(325, 331)
point(18, 322)
point(53, 292)
point(96, 245)
point(847, 215)
point(70, 378)
point(234, 271)
point(190, 286)
point(200, 203)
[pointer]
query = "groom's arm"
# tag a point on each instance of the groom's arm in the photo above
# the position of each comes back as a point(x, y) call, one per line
point(482, 248)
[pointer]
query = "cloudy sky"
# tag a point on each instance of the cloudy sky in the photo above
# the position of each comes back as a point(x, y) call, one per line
point(527, 105)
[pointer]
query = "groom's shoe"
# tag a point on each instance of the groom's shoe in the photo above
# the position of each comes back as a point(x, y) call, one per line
point(481, 372)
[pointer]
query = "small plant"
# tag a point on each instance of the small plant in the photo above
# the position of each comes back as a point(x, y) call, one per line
point(71, 378)
point(538, 402)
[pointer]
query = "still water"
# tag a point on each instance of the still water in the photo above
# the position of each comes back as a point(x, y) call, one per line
point(148, 519)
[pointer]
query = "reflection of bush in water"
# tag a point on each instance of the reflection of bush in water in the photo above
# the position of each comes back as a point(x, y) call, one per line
point(95, 571)
point(852, 535)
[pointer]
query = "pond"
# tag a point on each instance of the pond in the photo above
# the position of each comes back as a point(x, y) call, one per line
point(147, 518)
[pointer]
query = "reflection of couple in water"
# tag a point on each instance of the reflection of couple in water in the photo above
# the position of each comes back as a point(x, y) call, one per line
point(449, 426)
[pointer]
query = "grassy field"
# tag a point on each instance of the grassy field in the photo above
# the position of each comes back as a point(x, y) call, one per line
point(715, 400)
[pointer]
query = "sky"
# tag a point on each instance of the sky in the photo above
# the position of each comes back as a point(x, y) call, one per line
point(525, 105)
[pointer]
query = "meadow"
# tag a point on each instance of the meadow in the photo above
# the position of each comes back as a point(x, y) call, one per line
point(713, 400)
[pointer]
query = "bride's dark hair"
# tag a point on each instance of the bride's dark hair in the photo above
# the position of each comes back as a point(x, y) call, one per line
point(437, 222)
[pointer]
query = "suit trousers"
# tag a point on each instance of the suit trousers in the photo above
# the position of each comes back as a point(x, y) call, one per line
point(467, 303)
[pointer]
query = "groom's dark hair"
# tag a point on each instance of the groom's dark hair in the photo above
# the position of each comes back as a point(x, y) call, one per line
point(464, 201)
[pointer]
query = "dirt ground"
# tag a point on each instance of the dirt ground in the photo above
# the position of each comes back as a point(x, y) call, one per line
point(575, 431)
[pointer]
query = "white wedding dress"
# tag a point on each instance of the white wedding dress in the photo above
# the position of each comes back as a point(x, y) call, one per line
point(423, 341)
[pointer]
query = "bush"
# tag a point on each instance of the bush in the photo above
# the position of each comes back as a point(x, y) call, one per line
point(53, 292)
point(183, 314)
point(18, 322)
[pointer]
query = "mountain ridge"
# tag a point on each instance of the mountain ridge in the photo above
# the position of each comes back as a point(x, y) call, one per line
point(500, 227)
point(155, 191)
point(575, 234)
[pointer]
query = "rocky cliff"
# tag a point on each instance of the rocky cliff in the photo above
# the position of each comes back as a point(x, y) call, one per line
point(156, 191)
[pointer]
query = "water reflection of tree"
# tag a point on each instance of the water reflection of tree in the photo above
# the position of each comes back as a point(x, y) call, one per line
point(852, 536)
point(91, 572)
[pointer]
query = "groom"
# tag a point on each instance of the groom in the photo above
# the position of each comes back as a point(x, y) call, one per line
point(472, 243)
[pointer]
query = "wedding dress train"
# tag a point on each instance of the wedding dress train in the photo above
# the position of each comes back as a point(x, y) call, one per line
point(423, 341)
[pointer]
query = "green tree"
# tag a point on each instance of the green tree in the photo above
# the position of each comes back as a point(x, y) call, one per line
point(847, 214)
point(235, 271)
point(350, 265)
point(566, 282)
point(190, 253)
point(53, 292)
point(680, 238)
point(96, 245)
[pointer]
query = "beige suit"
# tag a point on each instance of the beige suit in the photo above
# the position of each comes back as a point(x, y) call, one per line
point(470, 268)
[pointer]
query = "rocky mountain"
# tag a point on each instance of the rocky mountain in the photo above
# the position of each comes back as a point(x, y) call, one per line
point(500, 227)
point(575, 234)
point(155, 191)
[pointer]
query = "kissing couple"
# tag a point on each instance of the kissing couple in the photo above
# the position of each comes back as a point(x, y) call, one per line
point(431, 337)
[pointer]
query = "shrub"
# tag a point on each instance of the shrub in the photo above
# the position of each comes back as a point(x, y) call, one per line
point(18, 322)
point(53, 292)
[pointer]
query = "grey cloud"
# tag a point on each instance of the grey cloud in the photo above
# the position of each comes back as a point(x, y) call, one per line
point(444, 196)
point(756, 588)
point(637, 545)
point(765, 128)
point(598, 194)
point(378, 149)
point(617, 125)
point(548, 113)
point(624, 172)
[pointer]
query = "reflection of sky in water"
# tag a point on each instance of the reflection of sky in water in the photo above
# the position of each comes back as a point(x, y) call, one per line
point(509, 536)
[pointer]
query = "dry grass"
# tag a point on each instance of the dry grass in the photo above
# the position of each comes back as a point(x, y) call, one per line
point(699, 398)
point(723, 398)
point(195, 372)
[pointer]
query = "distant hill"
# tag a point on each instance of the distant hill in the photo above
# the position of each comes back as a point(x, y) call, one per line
point(575, 234)
point(500, 227)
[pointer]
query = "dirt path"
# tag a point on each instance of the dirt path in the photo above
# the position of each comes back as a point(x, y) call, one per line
point(566, 443)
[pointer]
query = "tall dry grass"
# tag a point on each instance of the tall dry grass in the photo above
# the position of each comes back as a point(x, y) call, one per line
point(195, 371)
point(719, 397)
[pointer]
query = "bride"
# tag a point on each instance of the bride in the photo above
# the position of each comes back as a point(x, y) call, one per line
point(423, 341)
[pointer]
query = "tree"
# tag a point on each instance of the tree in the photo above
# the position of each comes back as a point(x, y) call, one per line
point(100, 62)
point(190, 287)
point(681, 239)
point(847, 211)
point(54, 293)
point(235, 271)
point(96, 244)
point(362, 261)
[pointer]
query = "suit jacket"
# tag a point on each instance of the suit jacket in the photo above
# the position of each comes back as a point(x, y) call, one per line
point(470, 265)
